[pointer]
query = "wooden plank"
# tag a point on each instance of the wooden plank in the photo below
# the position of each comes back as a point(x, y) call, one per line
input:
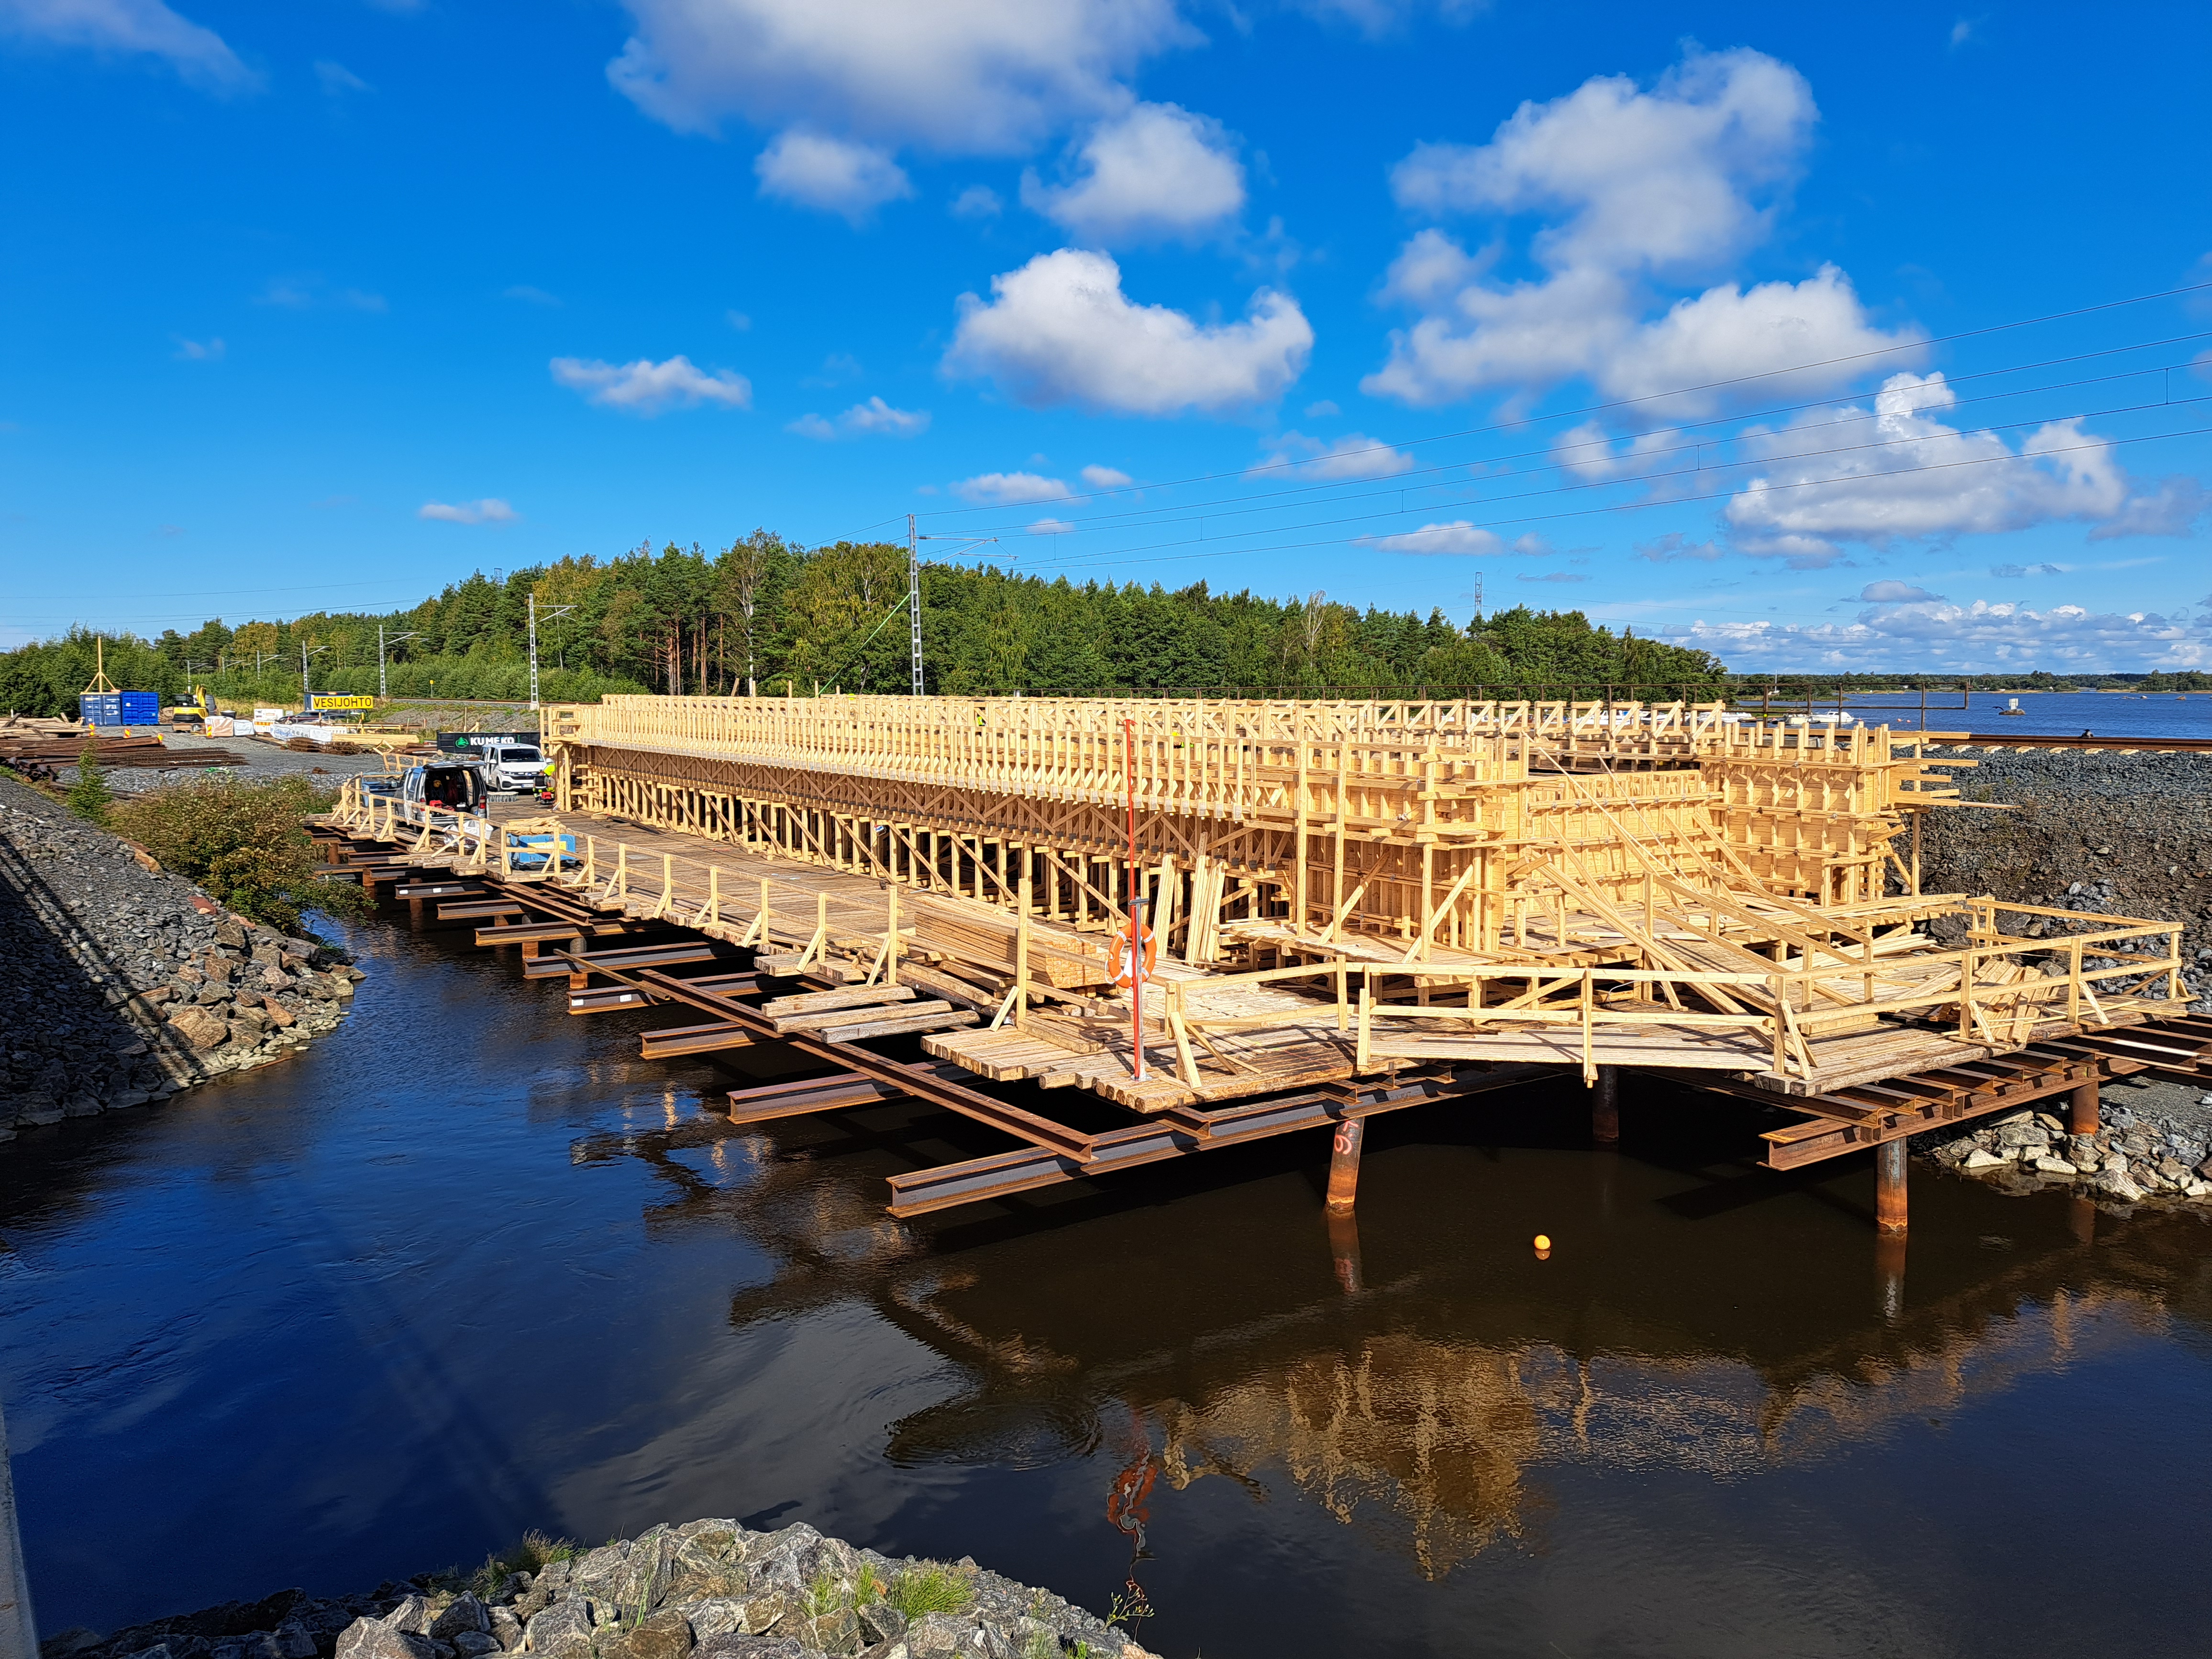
point(937, 1020)
point(824, 1019)
point(850, 997)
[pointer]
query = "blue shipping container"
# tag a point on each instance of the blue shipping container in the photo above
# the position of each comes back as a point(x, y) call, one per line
point(120, 708)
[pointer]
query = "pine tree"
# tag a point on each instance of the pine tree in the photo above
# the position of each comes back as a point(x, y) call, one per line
point(89, 797)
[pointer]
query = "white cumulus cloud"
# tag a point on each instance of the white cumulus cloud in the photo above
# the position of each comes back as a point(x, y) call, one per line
point(1974, 639)
point(140, 27)
point(1060, 331)
point(1916, 478)
point(645, 387)
point(834, 175)
point(958, 76)
point(1458, 537)
point(200, 351)
point(874, 415)
point(1355, 455)
point(1009, 489)
point(1637, 188)
point(1105, 478)
point(491, 510)
point(1154, 173)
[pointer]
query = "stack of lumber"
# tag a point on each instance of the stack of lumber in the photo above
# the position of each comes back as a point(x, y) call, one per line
point(24, 748)
point(859, 1012)
point(986, 938)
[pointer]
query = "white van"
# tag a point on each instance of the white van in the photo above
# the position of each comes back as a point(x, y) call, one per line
point(509, 765)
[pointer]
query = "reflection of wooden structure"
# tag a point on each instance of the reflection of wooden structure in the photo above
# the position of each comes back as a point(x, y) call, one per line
point(1430, 1410)
point(1354, 898)
point(1436, 1443)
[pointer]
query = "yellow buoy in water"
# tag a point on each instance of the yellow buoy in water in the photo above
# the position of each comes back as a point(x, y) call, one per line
point(1543, 1240)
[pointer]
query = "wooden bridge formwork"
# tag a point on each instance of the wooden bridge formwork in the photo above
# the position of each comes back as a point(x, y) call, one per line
point(1363, 905)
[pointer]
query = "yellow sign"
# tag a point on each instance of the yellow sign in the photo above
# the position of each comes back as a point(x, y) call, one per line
point(321, 700)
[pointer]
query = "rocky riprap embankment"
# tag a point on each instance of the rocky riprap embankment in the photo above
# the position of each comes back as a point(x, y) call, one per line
point(706, 1589)
point(121, 984)
point(2136, 1154)
point(2115, 834)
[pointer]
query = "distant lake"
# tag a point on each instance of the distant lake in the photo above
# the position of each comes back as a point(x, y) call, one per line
point(2053, 713)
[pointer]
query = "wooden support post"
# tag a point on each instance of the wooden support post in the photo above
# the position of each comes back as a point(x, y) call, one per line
point(891, 936)
point(1605, 1107)
point(1889, 1164)
point(1021, 942)
point(2082, 1113)
point(1344, 1164)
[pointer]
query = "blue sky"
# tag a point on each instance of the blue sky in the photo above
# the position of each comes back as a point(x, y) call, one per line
point(1700, 319)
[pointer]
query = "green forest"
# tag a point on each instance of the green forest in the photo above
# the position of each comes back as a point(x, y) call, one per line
point(769, 615)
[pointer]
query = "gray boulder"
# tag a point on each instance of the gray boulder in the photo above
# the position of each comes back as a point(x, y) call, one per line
point(564, 1627)
point(786, 1559)
point(413, 1613)
point(718, 1615)
point(765, 1613)
point(506, 1629)
point(372, 1638)
point(645, 1575)
point(940, 1634)
point(467, 1613)
point(751, 1647)
point(2114, 1182)
point(879, 1623)
point(598, 1573)
point(713, 1545)
point(665, 1635)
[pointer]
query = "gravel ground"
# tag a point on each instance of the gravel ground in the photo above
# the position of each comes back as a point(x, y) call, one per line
point(2119, 835)
point(120, 984)
point(264, 760)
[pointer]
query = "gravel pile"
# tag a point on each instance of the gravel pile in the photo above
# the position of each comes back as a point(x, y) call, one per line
point(706, 1589)
point(2117, 834)
point(121, 983)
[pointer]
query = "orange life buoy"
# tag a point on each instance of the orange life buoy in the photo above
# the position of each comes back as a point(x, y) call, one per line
point(1117, 954)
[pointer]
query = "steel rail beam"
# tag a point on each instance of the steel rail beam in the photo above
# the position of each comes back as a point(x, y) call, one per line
point(1175, 1134)
point(1040, 1132)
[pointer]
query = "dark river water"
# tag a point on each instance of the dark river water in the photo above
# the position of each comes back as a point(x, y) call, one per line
point(469, 1266)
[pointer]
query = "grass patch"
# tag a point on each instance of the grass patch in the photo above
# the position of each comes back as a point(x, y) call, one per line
point(920, 1590)
point(536, 1552)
